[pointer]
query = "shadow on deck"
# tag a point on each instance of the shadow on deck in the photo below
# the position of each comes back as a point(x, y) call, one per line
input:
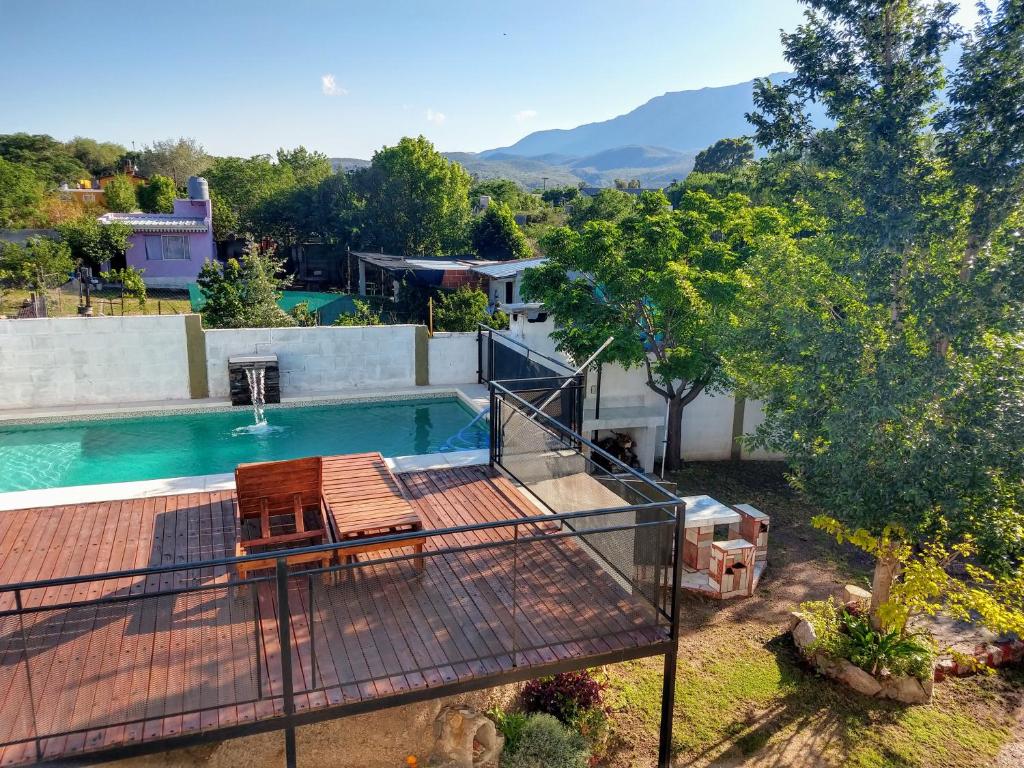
point(142, 638)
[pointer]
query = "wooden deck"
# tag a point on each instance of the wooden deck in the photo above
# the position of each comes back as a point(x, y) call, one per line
point(154, 666)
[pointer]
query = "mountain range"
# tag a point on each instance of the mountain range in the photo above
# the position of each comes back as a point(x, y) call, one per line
point(656, 142)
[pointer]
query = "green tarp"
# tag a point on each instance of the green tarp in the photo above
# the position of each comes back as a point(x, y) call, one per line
point(327, 306)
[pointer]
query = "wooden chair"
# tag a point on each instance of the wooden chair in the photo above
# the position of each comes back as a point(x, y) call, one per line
point(284, 499)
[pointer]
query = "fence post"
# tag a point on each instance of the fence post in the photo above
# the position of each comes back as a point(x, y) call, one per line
point(285, 643)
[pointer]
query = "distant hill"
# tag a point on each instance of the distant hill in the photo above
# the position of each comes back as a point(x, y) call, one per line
point(527, 172)
point(347, 163)
point(684, 121)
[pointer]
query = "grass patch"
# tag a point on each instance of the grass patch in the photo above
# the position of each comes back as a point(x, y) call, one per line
point(761, 700)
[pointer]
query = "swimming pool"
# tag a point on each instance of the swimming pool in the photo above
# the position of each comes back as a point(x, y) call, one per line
point(113, 450)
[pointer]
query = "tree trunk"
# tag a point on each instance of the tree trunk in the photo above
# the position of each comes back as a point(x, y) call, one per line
point(887, 568)
point(674, 434)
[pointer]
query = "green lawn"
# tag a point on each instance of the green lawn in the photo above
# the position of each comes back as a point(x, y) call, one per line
point(743, 696)
point(104, 302)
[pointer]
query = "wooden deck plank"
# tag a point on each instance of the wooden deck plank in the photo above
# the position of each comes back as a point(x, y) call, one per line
point(185, 663)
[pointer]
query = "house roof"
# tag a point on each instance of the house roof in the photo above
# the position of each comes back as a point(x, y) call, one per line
point(434, 263)
point(507, 268)
point(158, 222)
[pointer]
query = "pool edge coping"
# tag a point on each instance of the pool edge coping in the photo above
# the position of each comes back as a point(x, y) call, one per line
point(225, 481)
point(110, 411)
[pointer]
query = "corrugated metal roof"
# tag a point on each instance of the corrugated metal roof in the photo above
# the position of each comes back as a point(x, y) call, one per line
point(158, 222)
point(508, 268)
point(437, 263)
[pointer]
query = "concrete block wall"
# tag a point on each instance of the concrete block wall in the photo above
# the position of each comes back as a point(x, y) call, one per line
point(319, 360)
point(452, 358)
point(81, 361)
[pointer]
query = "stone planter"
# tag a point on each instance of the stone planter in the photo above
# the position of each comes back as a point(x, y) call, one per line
point(908, 690)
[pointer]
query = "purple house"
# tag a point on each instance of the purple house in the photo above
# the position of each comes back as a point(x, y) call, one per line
point(171, 248)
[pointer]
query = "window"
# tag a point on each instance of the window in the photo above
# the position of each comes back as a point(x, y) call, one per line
point(509, 288)
point(175, 247)
point(153, 250)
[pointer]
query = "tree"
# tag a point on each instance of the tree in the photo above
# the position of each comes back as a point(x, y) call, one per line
point(120, 194)
point(243, 294)
point(41, 263)
point(132, 283)
point(559, 196)
point(662, 282)
point(460, 310)
point(176, 158)
point(497, 236)
point(21, 195)
point(157, 194)
point(416, 200)
point(606, 205)
point(302, 316)
point(364, 315)
point(499, 190)
point(239, 187)
point(97, 157)
point(93, 243)
point(308, 168)
point(891, 373)
point(724, 156)
point(48, 158)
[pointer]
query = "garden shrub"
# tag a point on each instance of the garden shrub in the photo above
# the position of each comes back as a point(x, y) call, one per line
point(510, 725)
point(847, 634)
point(594, 727)
point(564, 695)
point(546, 743)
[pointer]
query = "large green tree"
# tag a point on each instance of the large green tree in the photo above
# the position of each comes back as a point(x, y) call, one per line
point(724, 156)
point(663, 283)
point(244, 294)
point(98, 157)
point(175, 158)
point(49, 159)
point(93, 243)
point(157, 194)
point(120, 194)
point(41, 263)
point(416, 201)
point(497, 236)
point(21, 194)
point(887, 340)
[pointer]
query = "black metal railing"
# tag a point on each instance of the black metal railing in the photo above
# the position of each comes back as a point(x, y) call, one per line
point(162, 652)
point(501, 357)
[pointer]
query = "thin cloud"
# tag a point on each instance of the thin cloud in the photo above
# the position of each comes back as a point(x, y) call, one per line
point(437, 118)
point(525, 114)
point(330, 86)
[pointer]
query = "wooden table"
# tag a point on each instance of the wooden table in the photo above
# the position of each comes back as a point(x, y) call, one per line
point(364, 500)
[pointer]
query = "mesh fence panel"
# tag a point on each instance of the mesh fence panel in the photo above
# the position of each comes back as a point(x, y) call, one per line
point(134, 659)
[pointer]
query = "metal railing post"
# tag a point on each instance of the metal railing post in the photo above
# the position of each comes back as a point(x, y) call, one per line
point(493, 419)
point(479, 355)
point(490, 355)
point(285, 643)
point(515, 595)
point(28, 675)
point(668, 688)
point(312, 632)
point(256, 634)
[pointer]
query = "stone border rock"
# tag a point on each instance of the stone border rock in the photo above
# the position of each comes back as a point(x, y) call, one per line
point(908, 690)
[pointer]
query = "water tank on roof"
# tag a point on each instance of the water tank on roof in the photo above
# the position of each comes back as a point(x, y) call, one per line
point(198, 188)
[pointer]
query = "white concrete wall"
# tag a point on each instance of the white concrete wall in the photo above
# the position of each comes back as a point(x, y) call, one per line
point(81, 361)
point(707, 427)
point(452, 358)
point(753, 416)
point(319, 360)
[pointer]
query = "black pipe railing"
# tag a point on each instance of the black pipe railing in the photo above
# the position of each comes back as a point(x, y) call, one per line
point(526, 584)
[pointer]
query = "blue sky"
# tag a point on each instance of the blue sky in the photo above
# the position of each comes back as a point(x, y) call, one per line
point(349, 77)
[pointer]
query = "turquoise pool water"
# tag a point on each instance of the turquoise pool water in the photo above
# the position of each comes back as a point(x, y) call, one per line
point(147, 448)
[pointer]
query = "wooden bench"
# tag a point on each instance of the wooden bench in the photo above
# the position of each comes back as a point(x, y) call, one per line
point(283, 502)
point(364, 500)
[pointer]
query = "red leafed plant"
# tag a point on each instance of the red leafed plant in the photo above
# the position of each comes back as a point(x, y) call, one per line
point(564, 695)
